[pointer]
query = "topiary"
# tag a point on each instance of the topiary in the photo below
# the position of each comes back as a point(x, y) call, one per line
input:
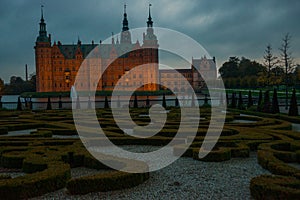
point(49, 107)
point(250, 100)
point(267, 103)
point(135, 102)
point(293, 110)
point(106, 102)
point(275, 106)
point(259, 103)
point(240, 101)
point(164, 104)
point(233, 101)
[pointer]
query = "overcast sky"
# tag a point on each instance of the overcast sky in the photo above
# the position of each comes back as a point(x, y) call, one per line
point(223, 27)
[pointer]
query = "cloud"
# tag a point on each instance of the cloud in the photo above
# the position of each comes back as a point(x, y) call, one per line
point(224, 28)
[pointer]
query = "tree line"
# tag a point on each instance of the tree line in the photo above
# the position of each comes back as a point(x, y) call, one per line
point(274, 71)
point(17, 85)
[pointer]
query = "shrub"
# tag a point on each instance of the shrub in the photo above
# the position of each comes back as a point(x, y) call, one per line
point(31, 185)
point(5, 176)
point(250, 100)
point(216, 155)
point(293, 109)
point(3, 130)
point(259, 103)
point(240, 101)
point(11, 160)
point(105, 182)
point(275, 187)
point(275, 106)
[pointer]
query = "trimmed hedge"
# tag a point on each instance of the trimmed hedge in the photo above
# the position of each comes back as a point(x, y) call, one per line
point(105, 182)
point(216, 155)
point(53, 178)
point(274, 160)
point(275, 187)
point(12, 160)
point(3, 130)
point(221, 152)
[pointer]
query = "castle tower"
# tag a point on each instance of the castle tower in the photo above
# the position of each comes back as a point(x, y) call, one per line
point(150, 56)
point(125, 35)
point(150, 39)
point(43, 58)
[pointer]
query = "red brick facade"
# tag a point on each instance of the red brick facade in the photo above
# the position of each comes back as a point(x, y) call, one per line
point(57, 64)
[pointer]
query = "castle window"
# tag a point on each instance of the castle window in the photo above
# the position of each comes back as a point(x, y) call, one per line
point(134, 75)
point(141, 76)
point(60, 69)
point(60, 85)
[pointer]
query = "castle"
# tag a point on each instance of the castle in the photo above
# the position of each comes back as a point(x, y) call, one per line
point(57, 64)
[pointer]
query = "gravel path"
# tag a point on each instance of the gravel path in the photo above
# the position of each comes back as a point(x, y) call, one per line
point(187, 179)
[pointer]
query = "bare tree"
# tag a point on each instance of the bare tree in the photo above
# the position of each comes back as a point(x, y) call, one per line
point(287, 60)
point(269, 61)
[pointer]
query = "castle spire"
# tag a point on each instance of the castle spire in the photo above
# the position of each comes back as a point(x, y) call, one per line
point(125, 35)
point(42, 32)
point(150, 39)
point(125, 21)
point(42, 13)
point(149, 22)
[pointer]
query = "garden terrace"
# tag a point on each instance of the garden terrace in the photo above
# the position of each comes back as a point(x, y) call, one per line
point(48, 161)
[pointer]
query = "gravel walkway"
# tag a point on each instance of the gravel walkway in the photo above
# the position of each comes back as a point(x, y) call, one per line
point(187, 179)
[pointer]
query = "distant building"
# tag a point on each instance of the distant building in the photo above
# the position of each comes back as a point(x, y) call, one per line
point(200, 69)
point(208, 71)
point(57, 64)
point(174, 81)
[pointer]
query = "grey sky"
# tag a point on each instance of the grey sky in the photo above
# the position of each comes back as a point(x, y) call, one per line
point(224, 27)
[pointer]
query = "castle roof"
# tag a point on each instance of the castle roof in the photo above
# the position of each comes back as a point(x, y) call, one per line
point(69, 51)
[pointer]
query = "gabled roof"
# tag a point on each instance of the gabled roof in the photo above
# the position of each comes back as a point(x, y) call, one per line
point(69, 51)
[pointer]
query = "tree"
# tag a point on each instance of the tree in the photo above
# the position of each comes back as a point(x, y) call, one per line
point(250, 100)
point(135, 102)
point(230, 68)
point(240, 101)
point(49, 107)
point(19, 105)
point(277, 76)
point(106, 105)
point(1, 86)
point(17, 85)
point(267, 103)
point(293, 111)
point(249, 68)
point(297, 74)
point(259, 103)
point(275, 106)
point(270, 61)
point(164, 103)
point(286, 59)
point(233, 101)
